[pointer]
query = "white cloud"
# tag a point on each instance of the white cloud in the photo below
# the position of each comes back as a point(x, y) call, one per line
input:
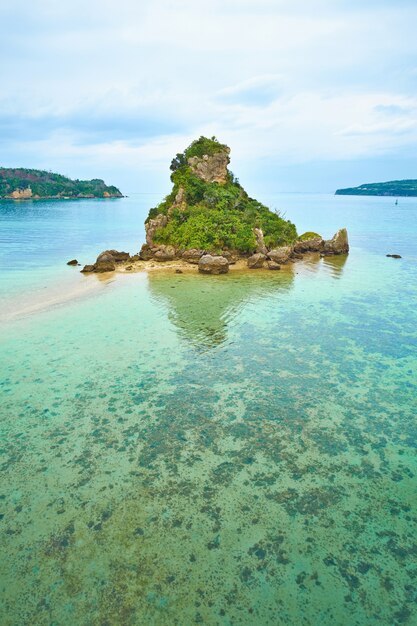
point(134, 82)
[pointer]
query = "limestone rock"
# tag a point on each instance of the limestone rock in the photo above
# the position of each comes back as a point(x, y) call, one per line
point(151, 226)
point(273, 266)
point(232, 258)
point(146, 253)
point(338, 244)
point(213, 264)
point(21, 194)
point(73, 262)
point(119, 257)
point(281, 254)
point(260, 243)
point(394, 256)
point(211, 168)
point(315, 244)
point(256, 261)
point(192, 256)
point(87, 268)
point(165, 253)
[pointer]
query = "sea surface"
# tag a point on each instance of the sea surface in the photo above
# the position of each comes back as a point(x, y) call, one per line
point(219, 450)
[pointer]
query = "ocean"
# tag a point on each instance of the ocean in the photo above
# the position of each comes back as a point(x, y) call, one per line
point(220, 450)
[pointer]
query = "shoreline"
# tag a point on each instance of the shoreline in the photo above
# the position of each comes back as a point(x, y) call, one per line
point(91, 284)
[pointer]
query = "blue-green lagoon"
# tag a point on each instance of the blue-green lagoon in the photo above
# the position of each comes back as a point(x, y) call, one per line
point(220, 450)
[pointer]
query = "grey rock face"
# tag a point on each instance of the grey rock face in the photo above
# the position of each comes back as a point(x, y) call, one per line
point(213, 264)
point(256, 261)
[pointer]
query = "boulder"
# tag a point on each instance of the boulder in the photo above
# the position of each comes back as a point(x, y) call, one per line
point(87, 268)
point(165, 253)
point(395, 256)
point(104, 266)
point(113, 255)
point(273, 266)
point(338, 244)
point(281, 254)
point(119, 257)
point(146, 253)
point(256, 261)
point(73, 262)
point(213, 264)
point(309, 245)
point(192, 256)
point(232, 258)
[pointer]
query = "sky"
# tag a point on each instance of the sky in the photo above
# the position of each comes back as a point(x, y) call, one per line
point(310, 95)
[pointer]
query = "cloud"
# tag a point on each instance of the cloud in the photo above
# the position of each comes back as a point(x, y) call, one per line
point(134, 82)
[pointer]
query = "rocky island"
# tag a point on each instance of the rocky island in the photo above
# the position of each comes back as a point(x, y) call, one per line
point(391, 188)
point(209, 221)
point(29, 184)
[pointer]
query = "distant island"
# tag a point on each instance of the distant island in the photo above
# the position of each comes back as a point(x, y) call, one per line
point(390, 188)
point(208, 220)
point(28, 184)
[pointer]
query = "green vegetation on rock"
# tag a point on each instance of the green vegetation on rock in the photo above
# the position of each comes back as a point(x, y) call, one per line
point(390, 188)
point(28, 183)
point(208, 209)
point(309, 235)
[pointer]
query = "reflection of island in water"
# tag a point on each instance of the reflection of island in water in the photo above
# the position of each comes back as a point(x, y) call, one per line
point(202, 307)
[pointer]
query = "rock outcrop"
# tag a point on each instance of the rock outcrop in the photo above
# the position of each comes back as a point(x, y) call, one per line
point(192, 256)
point(256, 261)
point(106, 261)
point(165, 253)
point(260, 243)
point(339, 244)
point(151, 226)
point(315, 244)
point(209, 264)
point(281, 254)
point(273, 266)
point(21, 194)
point(211, 168)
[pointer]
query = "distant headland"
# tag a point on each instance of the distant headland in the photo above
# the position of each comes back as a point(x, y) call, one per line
point(391, 188)
point(28, 184)
point(208, 220)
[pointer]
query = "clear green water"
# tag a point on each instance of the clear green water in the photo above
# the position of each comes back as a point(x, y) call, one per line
point(222, 450)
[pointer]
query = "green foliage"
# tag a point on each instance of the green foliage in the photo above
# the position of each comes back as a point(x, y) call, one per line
point(309, 235)
point(203, 146)
point(47, 184)
point(215, 216)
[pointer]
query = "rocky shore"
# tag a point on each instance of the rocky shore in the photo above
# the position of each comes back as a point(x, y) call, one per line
point(167, 257)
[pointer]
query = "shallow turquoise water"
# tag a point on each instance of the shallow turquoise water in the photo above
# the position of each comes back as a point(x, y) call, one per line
point(223, 450)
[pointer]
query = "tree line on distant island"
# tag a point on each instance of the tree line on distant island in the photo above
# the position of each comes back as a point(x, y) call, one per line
point(30, 183)
point(390, 188)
